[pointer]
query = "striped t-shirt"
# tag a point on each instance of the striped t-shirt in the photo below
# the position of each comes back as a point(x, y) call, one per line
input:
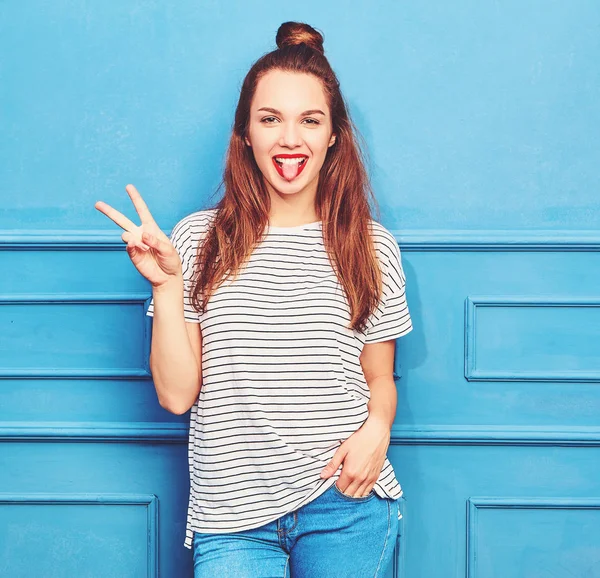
point(282, 384)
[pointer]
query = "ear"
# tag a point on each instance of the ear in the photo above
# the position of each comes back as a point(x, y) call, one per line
point(331, 140)
point(247, 141)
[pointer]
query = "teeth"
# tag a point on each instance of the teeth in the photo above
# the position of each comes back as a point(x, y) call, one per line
point(289, 161)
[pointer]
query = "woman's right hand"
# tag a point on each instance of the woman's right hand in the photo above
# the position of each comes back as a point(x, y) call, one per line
point(150, 250)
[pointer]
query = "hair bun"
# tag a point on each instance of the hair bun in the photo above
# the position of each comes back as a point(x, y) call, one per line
point(294, 33)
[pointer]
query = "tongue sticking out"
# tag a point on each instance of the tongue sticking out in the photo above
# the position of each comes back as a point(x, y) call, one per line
point(290, 170)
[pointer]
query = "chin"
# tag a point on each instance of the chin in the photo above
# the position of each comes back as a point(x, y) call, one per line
point(286, 188)
point(289, 190)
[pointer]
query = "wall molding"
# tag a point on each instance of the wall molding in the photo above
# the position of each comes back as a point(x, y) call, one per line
point(150, 501)
point(24, 299)
point(475, 504)
point(139, 432)
point(494, 240)
point(164, 432)
point(408, 239)
point(474, 302)
point(497, 435)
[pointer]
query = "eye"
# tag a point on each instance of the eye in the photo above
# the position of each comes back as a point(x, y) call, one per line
point(267, 120)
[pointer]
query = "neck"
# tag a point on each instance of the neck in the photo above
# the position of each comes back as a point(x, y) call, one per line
point(293, 209)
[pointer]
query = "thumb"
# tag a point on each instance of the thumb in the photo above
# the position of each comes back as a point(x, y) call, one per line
point(335, 462)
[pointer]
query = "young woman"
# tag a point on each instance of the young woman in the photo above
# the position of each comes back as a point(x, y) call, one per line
point(275, 318)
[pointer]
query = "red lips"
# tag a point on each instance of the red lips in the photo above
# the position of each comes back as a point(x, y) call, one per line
point(287, 156)
point(279, 168)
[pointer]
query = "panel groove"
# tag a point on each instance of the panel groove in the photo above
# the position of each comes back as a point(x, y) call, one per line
point(23, 299)
point(475, 373)
point(475, 504)
point(112, 499)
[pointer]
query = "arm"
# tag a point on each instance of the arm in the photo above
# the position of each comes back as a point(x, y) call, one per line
point(368, 445)
point(377, 361)
point(175, 355)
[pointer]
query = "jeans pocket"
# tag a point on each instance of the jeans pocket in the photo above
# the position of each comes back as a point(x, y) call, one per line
point(370, 495)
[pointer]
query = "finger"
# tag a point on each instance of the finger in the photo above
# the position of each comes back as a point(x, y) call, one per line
point(139, 204)
point(333, 464)
point(352, 489)
point(114, 215)
point(133, 248)
point(363, 490)
point(130, 238)
point(153, 241)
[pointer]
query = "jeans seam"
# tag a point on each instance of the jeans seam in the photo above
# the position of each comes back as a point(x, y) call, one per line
point(285, 568)
point(386, 541)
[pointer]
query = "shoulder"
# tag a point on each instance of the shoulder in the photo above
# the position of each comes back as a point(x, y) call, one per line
point(197, 221)
point(385, 242)
point(388, 251)
point(194, 225)
point(191, 229)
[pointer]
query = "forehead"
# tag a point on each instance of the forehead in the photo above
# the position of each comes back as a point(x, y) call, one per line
point(289, 91)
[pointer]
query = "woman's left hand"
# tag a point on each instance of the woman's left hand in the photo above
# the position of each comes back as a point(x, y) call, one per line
point(363, 455)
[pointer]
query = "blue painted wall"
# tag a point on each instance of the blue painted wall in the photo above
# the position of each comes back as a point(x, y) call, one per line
point(482, 124)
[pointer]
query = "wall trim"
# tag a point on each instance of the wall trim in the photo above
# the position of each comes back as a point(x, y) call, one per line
point(474, 302)
point(502, 435)
point(475, 504)
point(84, 372)
point(494, 240)
point(159, 432)
point(94, 432)
point(103, 499)
point(409, 240)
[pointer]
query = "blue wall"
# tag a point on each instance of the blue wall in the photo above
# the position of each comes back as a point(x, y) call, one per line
point(482, 124)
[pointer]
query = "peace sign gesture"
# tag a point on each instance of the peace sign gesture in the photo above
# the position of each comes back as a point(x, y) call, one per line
point(150, 250)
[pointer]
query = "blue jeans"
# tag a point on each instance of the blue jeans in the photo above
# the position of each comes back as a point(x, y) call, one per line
point(333, 536)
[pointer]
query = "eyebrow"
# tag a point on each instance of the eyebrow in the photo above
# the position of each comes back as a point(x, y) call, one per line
point(275, 111)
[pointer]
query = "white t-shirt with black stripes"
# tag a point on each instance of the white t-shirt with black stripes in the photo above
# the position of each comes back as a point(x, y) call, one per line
point(282, 381)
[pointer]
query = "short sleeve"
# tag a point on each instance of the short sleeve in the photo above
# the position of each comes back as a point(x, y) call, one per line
point(391, 319)
point(184, 238)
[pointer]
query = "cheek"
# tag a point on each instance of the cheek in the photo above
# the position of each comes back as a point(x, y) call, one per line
point(259, 152)
point(257, 138)
point(263, 160)
point(319, 152)
point(318, 144)
point(261, 147)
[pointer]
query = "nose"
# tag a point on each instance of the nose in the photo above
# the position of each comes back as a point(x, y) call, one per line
point(290, 135)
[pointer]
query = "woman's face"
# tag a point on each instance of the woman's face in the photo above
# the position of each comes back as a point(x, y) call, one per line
point(289, 117)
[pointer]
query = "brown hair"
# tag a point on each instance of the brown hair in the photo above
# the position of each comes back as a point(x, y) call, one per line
point(343, 190)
